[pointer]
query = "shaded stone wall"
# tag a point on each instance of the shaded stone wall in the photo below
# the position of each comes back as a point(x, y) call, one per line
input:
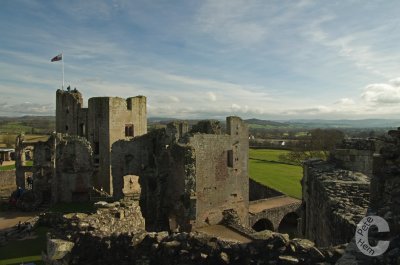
point(355, 155)
point(157, 160)
point(98, 133)
point(384, 202)
point(7, 182)
point(62, 169)
point(74, 170)
point(334, 201)
point(258, 191)
point(68, 105)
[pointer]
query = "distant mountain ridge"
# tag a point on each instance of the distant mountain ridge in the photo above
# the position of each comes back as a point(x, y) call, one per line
point(344, 123)
point(265, 122)
point(49, 121)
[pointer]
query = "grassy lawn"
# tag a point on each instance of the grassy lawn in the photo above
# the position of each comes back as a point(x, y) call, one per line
point(8, 167)
point(11, 167)
point(265, 167)
point(18, 251)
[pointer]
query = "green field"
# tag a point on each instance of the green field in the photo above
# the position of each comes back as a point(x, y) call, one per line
point(266, 167)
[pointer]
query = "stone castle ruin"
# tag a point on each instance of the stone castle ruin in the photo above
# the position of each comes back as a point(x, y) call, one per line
point(183, 196)
point(187, 178)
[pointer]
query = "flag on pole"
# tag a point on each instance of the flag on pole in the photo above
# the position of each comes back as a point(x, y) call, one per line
point(57, 58)
point(60, 58)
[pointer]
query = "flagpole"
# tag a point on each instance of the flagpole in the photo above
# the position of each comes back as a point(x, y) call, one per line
point(62, 60)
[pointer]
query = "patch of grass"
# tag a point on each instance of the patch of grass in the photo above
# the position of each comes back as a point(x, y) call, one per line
point(8, 167)
point(73, 207)
point(12, 167)
point(266, 167)
point(28, 250)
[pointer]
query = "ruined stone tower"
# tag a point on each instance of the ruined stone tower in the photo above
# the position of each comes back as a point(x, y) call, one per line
point(187, 178)
point(106, 120)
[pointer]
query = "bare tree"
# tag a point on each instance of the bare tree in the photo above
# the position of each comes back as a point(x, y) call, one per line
point(317, 145)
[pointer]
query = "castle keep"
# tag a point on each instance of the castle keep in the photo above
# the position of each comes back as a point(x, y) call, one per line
point(105, 121)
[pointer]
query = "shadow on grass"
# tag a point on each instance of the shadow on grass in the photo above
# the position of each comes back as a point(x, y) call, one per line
point(73, 207)
point(28, 250)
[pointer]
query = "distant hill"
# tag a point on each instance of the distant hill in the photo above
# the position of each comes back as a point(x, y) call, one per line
point(254, 123)
point(365, 123)
point(303, 123)
point(46, 124)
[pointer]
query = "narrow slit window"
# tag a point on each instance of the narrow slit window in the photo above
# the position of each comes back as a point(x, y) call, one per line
point(230, 158)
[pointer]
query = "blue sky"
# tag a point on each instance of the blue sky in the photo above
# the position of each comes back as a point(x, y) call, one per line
point(206, 59)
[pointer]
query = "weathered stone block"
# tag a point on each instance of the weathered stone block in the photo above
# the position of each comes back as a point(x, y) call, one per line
point(57, 248)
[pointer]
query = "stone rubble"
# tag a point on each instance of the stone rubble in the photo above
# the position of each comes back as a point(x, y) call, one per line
point(115, 235)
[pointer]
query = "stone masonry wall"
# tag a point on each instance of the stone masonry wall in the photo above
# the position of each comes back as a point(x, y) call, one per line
point(334, 201)
point(7, 182)
point(384, 202)
point(354, 155)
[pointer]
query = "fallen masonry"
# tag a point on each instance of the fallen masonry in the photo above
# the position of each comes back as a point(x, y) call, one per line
point(115, 235)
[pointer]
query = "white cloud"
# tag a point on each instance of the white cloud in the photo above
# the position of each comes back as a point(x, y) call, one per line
point(355, 46)
point(235, 107)
point(231, 21)
point(26, 108)
point(345, 101)
point(382, 93)
point(212, 96)
point(174, 99)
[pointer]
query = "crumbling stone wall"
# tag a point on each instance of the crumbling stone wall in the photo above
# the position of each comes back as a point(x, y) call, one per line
point(186, 179)
point(334, 201)
point(62, 169)
point(158, 162)
point(221, 173)
point(74, 170)
point(355, 155)
point(384, 202)
point(20, 158)
point(7, 182)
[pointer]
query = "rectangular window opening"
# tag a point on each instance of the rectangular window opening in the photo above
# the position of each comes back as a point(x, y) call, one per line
point(129, 130)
